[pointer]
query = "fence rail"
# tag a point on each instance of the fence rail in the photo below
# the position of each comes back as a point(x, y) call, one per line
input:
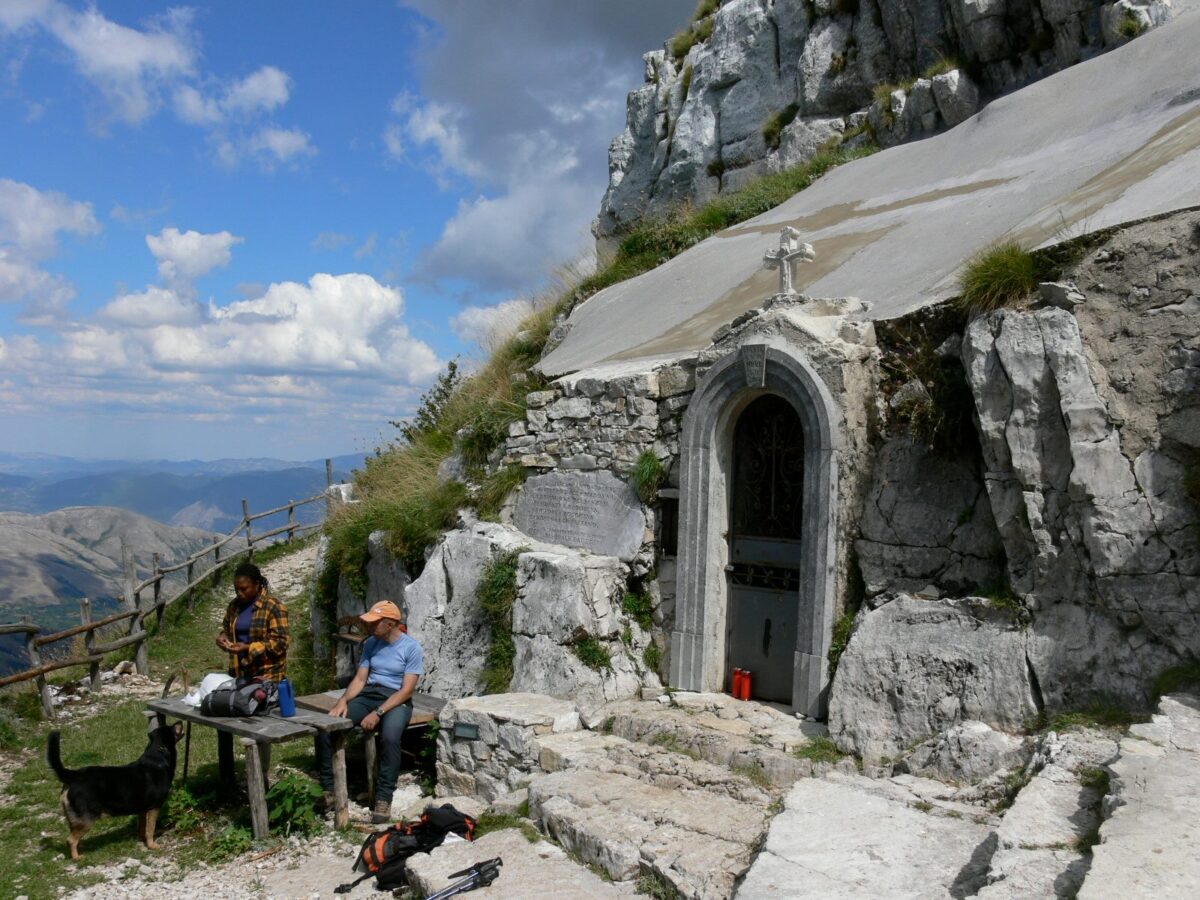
point(138, 612)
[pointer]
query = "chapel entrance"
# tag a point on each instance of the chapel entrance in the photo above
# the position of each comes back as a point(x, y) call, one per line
point(765, 523)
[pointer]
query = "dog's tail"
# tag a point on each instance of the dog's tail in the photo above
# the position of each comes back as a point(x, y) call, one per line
point(52, 756)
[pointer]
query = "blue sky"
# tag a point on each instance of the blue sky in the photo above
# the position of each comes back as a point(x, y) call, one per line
point(260, 229)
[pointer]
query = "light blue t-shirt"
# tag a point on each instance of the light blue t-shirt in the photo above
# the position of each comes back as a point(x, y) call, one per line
point(387, 664)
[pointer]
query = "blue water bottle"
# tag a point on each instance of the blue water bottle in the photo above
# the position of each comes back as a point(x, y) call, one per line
point(287, 699)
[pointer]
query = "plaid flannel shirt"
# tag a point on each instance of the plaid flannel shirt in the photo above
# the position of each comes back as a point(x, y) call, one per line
point(267, 656)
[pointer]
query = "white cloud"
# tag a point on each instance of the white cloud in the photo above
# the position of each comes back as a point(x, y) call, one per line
point(185, 256)
point(151, 307)
point(367, 247)
point(490, 326)
point(515, 240)
point(30, 224)
point(31, 219)
point(130, 67)
point(272, 145)
point(261, 91)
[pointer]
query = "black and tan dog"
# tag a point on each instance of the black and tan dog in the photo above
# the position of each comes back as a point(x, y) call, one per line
point(139, 788)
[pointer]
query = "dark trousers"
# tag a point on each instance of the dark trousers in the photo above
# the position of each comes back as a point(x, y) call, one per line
point(390, 732)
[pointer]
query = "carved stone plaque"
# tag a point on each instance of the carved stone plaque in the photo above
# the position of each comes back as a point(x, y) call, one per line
point(593, 511)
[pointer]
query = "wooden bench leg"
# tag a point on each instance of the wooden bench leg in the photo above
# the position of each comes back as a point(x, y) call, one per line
point(369, 747)
point(341, 801)
point(256, 788)
point(225, 759)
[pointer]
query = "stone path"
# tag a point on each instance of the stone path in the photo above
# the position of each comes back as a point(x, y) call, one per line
point(1148, 844)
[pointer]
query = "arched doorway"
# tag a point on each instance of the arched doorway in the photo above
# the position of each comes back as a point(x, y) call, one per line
point(765, 530)
point(771, 372)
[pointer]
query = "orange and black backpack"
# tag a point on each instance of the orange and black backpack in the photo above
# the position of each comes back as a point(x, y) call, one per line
point(385, 854)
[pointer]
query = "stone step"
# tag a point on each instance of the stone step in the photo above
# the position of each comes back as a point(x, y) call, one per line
point(650, 764)
point(1148, 844)
point(744, 736)
point(530, 871)
point(696, 840)
point(841, 839)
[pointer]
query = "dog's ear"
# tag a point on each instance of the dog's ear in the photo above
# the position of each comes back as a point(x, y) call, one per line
point(178, 731)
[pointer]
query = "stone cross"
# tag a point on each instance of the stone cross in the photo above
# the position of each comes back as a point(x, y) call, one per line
point(790, 252)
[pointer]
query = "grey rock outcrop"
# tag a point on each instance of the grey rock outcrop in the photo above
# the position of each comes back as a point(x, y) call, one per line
point(926, 520)
point(915, 668)
point(967, 752)
point(1097, 537)
point(563, 596)
point(699, 125)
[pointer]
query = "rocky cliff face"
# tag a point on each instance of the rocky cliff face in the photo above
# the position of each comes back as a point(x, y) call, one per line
point(765, 84)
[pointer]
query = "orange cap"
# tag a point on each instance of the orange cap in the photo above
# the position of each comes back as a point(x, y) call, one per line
point(384, 609)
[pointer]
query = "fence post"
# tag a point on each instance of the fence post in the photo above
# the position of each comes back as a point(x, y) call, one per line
point(328, 485)
point(133, 604)
point(291, 522)
point(89, 641)
point(191, 594)
point(216, 566)
point(35, 662)
point(159, 606)
point(249, 531)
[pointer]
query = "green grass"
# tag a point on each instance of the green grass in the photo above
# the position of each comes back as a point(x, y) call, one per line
point(647, 476)
point(699, 31)
point(496, 488)
point(685, 86)
point(820, 749)
point(592, 653)
point(753, 774)
point(651, 884)
point(995, 277)
point(1185, 677)
point(496, 594)
point(640, 608)
point(1100, 713)
point(842, 629)
point(941, 66)
point(652, 657)
point(1131, 26)
point(772, 130)
point(1014, 783)
point(491, 821)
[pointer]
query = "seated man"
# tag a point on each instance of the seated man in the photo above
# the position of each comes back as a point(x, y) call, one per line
point(379, 698)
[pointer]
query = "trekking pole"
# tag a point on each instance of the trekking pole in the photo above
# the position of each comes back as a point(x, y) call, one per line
point(479, 875)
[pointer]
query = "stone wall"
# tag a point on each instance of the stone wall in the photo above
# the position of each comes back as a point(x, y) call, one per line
point(696, 127)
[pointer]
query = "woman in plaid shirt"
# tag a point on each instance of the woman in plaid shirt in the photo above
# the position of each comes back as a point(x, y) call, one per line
point(255, 633)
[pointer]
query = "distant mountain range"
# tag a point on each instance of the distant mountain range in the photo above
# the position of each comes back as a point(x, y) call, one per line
point(62, 521)
point(202, 494)
point(49, 562)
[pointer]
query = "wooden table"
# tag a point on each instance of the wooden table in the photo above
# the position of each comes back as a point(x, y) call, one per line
point(426, 708)
point(257, 734)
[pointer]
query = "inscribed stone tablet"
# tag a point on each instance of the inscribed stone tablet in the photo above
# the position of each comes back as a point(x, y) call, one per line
point(593, 511)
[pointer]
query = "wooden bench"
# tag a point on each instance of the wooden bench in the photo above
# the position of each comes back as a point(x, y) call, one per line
point(426, 708)
point(257, 734)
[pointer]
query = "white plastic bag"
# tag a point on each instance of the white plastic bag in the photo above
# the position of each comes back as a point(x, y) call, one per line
point(211, 682)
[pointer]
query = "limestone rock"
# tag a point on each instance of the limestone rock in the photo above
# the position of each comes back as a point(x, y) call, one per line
point(762, 59)
point(915, 668)
point(540, 870)
point(1147, 845)
point(967, 752)
point(926, 519)
point(698, 842)
point(842, 841)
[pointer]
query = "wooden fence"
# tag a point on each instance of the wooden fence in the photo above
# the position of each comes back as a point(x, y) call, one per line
point(197, 570)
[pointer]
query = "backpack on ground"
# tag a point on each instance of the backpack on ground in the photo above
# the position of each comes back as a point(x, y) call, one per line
point(385, 854)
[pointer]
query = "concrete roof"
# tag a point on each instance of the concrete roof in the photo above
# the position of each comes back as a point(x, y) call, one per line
point(1107, 141)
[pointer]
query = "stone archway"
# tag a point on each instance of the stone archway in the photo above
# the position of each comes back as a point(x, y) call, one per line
point(698, 639)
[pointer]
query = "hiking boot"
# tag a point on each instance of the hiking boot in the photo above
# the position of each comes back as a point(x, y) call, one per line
point(382, 813)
